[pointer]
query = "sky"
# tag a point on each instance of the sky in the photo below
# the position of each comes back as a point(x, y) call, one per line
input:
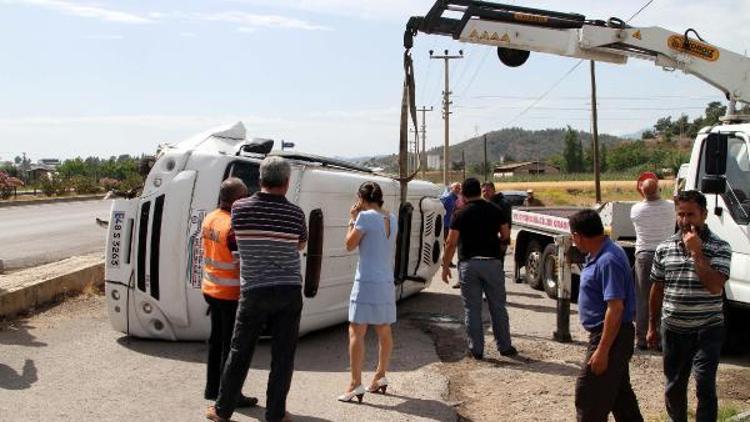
point(105, 77)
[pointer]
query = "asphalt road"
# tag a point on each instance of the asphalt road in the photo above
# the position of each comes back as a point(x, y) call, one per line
point(38, 234)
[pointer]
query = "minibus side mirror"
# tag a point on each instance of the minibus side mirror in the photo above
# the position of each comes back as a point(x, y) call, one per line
point(314, 259)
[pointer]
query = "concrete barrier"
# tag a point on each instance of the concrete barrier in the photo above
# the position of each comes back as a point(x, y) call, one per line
point(11, 203)
point(20, 293)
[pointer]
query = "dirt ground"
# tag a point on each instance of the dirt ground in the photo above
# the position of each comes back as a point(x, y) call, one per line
point(539, 384)
point(611, 184)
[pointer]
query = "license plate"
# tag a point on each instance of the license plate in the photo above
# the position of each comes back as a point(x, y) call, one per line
point(116, 239)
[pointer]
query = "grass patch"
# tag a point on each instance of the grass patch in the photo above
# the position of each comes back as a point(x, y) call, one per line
point(726, 412)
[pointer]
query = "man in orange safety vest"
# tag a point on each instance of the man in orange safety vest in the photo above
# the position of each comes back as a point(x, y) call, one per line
point(221, 284)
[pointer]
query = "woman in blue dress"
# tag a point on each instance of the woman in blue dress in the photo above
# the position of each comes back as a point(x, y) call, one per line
point(373, 298)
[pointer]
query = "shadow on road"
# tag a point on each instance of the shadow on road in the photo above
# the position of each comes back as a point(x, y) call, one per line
point(12, 380)
point(259, 414)
point(538, 308)
point(529, 295)
point(18, 333)
point(440, 315)
point(430, 409)
point(321, 351)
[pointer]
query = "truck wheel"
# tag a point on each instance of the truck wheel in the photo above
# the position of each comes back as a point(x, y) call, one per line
point(549, 270)
point(534, 265)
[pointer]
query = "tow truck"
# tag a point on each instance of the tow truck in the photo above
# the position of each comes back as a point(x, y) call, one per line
point(719, 163)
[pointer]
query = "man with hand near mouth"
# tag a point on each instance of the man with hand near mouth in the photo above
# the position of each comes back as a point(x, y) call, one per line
point(689, 272)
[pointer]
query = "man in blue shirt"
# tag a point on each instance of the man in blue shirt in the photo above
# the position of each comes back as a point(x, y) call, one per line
point(606, 307)
point(449, 199)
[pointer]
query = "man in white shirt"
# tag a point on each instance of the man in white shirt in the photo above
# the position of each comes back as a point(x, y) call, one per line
point(653, 219)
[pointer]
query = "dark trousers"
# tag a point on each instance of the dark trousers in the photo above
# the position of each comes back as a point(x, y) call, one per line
point(280, 309)
point(222, 314)
point(598, 395)
point(697, 351)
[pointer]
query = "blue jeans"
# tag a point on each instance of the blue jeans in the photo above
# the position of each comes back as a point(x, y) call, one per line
point(477, 276)
point(697, 351)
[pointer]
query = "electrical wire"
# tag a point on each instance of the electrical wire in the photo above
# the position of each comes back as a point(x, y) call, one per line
point(476, 72)
point(640, 10)
point(565, 76)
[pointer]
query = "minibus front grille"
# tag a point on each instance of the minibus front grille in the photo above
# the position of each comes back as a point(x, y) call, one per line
point(155, 246)
point(141, 248)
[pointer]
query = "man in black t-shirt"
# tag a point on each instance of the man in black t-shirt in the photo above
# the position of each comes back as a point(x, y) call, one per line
point(479, 230)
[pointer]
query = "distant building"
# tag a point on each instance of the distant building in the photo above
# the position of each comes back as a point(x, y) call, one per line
point(434, 161)
point(50, 163)
point(524, 168)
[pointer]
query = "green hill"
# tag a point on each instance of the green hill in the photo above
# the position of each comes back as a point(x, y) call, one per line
point(513, 144)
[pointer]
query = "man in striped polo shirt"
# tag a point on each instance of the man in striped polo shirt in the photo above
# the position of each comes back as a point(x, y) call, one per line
point(689, 272)
point(270, 233)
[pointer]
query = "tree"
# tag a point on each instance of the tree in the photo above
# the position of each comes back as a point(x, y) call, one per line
point(648, 134)
point(603, 158)
point(666, 136)
point(681, 125)
point(588, 158)
point(627, 155)
point(663, 124)
point(573, 152)
point(714, 110)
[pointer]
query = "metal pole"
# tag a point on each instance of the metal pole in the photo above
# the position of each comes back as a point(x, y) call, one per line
point(562, 334)
point(424, 142)
point(446, 119)
point(595, 117)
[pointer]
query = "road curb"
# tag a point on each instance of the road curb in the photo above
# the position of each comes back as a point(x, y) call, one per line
point(5, 204)
point(22, 298)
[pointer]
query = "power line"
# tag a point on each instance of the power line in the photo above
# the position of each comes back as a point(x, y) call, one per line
point(624, 98)
point(541, 97)
point(476, 72)
point(676, 108)
point(640, 10)
point(568, 73)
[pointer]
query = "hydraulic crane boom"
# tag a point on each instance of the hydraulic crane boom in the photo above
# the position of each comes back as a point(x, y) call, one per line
point(516, 31)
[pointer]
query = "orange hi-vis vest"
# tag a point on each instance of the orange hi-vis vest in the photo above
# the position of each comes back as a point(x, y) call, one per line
point(221, 273)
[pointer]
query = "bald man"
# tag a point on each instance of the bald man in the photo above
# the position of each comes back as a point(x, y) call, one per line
point(450, 199)
point(653, 219)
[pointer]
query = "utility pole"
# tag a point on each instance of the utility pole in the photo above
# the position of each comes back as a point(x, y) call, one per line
point(485, 169)
point(463, 163)
point(424, 142)
point(446, 108)
point(594, 117)
point(413, 164)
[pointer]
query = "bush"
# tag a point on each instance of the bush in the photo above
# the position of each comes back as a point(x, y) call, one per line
point(83, 185)
point(133, 181)
point(53, 185)
point(109, 183)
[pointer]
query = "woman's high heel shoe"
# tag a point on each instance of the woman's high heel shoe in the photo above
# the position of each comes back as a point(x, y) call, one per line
point(358, 392)
point(381, 386)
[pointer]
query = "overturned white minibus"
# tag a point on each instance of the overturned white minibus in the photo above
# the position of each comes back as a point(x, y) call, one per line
point(154, 262)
